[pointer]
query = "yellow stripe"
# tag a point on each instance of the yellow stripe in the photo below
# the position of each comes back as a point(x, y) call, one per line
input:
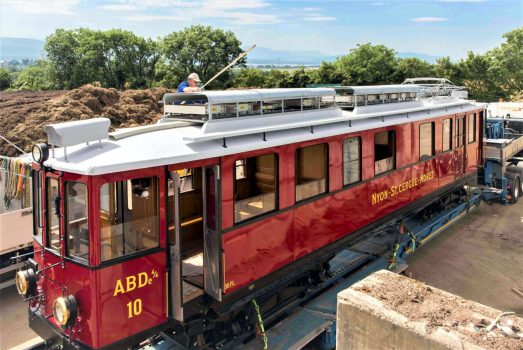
point(408, 251)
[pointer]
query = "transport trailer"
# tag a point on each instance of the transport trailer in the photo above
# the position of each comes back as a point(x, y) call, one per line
point(503, 172)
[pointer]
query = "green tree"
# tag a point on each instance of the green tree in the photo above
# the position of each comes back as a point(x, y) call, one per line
point(200, 49)
point(35, 77)
point(445, 68)
point(115, 58)
point(277, 78)
point(368, 65)
point(412, 67)
point(478, 79)
point(507, 63)
point(249, 77)
point(5, 78)
point(328, 73)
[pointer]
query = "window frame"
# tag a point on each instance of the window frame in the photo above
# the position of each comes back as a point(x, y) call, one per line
point(473, 134)
point(296, 169)
point(450, 136)
point(394, 152)
point(360, 146)
point(246, 176)
point(432, 143)
point(38, 212)
point(123, 202)
point(80, 260)
point(48, 212)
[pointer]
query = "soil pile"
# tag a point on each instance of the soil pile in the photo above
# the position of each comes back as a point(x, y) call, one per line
point(23, 114)
point(436, 308)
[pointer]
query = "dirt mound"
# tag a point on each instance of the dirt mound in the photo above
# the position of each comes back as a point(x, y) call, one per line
point(23, 114)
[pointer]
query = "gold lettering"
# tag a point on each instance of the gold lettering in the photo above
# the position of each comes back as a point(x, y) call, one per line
point(142, 279)
point(131, 283)
point(119, 288)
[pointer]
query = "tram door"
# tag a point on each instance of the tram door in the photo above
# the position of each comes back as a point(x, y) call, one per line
point(460, 158)
point(194, 235)
point(212, 233)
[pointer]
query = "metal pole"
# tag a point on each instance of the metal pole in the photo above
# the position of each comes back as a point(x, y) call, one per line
point(243, 54)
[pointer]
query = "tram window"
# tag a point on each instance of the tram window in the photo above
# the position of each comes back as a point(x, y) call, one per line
point(53, 214)
point(460, 131)
point(77, 226)
point(255, 187)
point(311, 171)
point(240, 169)
point(384, 151)
point(129, 217)
point(37, 206)
point(447, 134)
point(426, 140)
point(472, 128)
point(351, 160)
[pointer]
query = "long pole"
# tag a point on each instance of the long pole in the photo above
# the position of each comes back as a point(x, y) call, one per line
point(242, 55)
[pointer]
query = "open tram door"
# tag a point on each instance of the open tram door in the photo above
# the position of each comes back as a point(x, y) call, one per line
point(194, 235)
point(460, 152)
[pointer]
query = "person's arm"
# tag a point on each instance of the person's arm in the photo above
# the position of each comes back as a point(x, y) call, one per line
point(191, 89)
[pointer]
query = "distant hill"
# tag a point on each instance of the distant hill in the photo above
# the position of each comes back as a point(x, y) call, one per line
point(264, 55)
point(20, 48)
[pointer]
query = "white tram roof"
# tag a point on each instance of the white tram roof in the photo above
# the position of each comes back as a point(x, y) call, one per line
point(174, 142)
point(378, 89)
point(239, 96)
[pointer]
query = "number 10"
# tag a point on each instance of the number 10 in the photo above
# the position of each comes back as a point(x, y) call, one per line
point(134, 308)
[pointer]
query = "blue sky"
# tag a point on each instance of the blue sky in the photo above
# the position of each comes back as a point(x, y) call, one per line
point(437, 27)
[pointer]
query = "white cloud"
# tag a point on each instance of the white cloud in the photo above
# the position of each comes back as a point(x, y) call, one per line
point(429, 19)
point(311, 9)
point(242, 12)
point(318, 18)
point(463, 0)
point(59, 7)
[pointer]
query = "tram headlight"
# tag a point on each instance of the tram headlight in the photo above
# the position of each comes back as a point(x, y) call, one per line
point(65, 311)
point(40, 152)
point(26, 282)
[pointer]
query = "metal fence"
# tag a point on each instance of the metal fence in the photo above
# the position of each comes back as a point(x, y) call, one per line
point(15, 184)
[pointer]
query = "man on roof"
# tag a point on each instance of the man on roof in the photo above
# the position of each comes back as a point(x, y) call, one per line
point(191, 85)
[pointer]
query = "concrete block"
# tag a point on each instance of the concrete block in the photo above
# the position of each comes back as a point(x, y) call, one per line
point(391, 311)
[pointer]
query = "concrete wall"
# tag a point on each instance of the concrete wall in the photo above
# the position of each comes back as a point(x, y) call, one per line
point(368, 317)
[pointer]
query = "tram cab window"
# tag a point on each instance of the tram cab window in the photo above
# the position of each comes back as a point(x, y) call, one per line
point(129, 217)
point(351, 160)
point(53, 214)
point(255, 186)
point(311, 171)
point(460, 131)
point(77, 226)
point(37, 206)
point(426, 140)
point(384, 151)
point(472, 128)
point(447, 134)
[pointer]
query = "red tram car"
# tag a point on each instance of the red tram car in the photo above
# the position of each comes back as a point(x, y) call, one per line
point(232, 195)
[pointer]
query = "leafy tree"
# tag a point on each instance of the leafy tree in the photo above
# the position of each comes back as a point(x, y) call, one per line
point(507, 63)
point(199, 49)
point(479, 82)
point(5, 78)
point(328, 73)
point(277, 78)
point(250, 77)
point(35, 77)
point(412, 67)
point(368, 65)
point(115, 58)
point(445, 68)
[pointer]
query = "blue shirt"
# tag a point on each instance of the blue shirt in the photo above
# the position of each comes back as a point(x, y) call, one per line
point(182, 86)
